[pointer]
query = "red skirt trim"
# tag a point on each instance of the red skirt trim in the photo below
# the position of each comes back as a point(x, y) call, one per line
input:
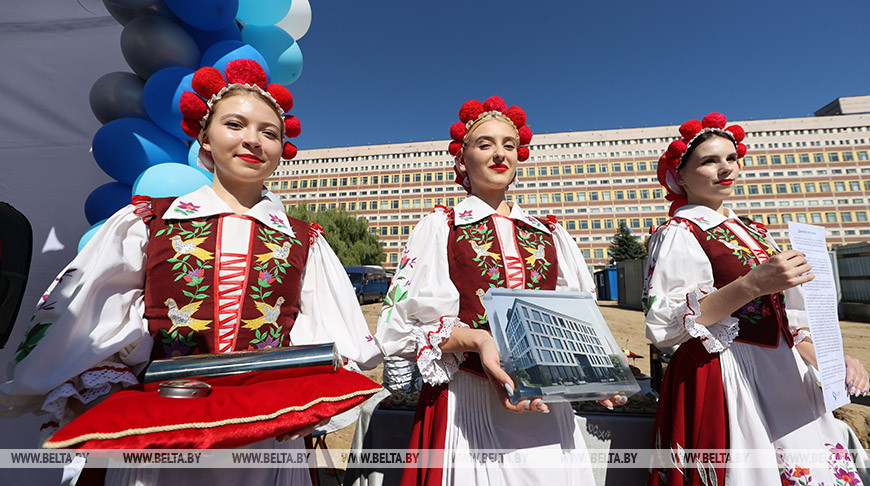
point(691, 415)
point(429, 434)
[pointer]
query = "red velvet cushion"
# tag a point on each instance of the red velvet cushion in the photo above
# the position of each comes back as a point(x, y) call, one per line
point(241, 410)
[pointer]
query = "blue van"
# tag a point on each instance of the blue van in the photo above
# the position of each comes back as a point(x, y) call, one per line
point(370, 282)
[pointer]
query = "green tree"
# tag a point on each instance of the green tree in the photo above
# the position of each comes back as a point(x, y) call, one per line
point(625, 246)
point(347, 234)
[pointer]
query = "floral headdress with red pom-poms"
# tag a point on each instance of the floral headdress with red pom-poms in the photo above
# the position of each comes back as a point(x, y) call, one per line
point(673, 157)
point(473, 113)
point(210, 85)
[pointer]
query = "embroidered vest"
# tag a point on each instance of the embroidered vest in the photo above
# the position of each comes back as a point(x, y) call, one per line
point(733, 251)
point(480, 260)
point(205, 297)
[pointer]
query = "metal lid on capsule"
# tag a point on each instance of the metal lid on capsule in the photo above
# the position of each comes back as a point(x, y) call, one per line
point(184, 389)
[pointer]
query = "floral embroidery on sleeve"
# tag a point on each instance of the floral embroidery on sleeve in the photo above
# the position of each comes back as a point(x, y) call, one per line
point(38, 328)
point(396, 294)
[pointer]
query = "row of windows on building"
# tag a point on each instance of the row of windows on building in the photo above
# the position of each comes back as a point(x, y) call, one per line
point(600, 143)
point(645, 223)
point(822, 187)
point(566, 169)
point(798, 187)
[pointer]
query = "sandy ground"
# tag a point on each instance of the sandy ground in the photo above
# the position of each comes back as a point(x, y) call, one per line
point(628, 328)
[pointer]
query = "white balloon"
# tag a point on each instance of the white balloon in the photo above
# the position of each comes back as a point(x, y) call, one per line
point(298, 19)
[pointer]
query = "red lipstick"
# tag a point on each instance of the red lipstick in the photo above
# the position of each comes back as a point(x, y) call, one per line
point(499, 168)
point(726, 182)
point(250, 158)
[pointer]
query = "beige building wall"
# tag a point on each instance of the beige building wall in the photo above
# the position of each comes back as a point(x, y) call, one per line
point(812, 169)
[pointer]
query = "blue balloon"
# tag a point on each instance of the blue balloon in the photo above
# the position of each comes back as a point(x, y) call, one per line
point(223, 52)
point(193, 153)
point(289, 66)
point(105, 200)
point(205, 14)
point(169, 180)
point(207, 38)
point(125, 147)
point(263, 12)
point(90, 234)
point(273, 42)
point(161, 95)
point(191, 160)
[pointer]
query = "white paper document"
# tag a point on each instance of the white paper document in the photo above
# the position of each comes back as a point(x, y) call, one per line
point(820, 298)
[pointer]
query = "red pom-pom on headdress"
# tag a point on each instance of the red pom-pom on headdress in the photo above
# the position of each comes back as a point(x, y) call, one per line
point(714, 120)
point(190, 127)
point(470, 110)
point(245, 71)
point(517, 115)
point(494, 103)
point(741, 150)
point(522, 154)
point(737, 132)
point(691, 128)
point(192, 106)
point(207, 82)
point(457, 131)
point(676, 149)
point(525, 134)
point(282, 96)
point(289, 151)
point(454, 148)
point(292, 126)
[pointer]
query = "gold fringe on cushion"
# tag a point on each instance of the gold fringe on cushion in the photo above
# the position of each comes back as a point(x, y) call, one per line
point(49, 444)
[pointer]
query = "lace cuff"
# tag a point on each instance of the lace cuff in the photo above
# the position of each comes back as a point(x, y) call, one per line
point(437, 368)
point(85, 388)
point(717, 337)
point(800, 334)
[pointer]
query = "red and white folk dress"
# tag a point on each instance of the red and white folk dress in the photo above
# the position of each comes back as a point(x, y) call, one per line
point(173, 277)
point(738, 384)
point(452, 257)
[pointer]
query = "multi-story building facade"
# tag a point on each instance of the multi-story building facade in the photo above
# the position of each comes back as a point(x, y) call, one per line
point(809, 169)
point(555, 345)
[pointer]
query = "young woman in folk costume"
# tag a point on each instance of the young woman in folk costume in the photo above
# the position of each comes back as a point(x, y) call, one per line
point(434, 313)
point(724, 292)
point(218, 270)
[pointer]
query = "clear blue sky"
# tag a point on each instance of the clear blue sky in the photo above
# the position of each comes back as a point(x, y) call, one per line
point(388, 71)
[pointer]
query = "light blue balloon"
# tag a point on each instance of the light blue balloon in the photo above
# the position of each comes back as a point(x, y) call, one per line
point(191, 160)
point(223, 52)
point(161, 96)
point(125, 147)
point(105, 200)
point(206, 173)
point(278, 48)
point(90, 234)
point(169, 180)
point(289, 66)
point(193, 153)
point(205, 14)
point(262, 12)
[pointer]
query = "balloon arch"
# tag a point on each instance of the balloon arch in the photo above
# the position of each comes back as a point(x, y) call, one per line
point(141, 144)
